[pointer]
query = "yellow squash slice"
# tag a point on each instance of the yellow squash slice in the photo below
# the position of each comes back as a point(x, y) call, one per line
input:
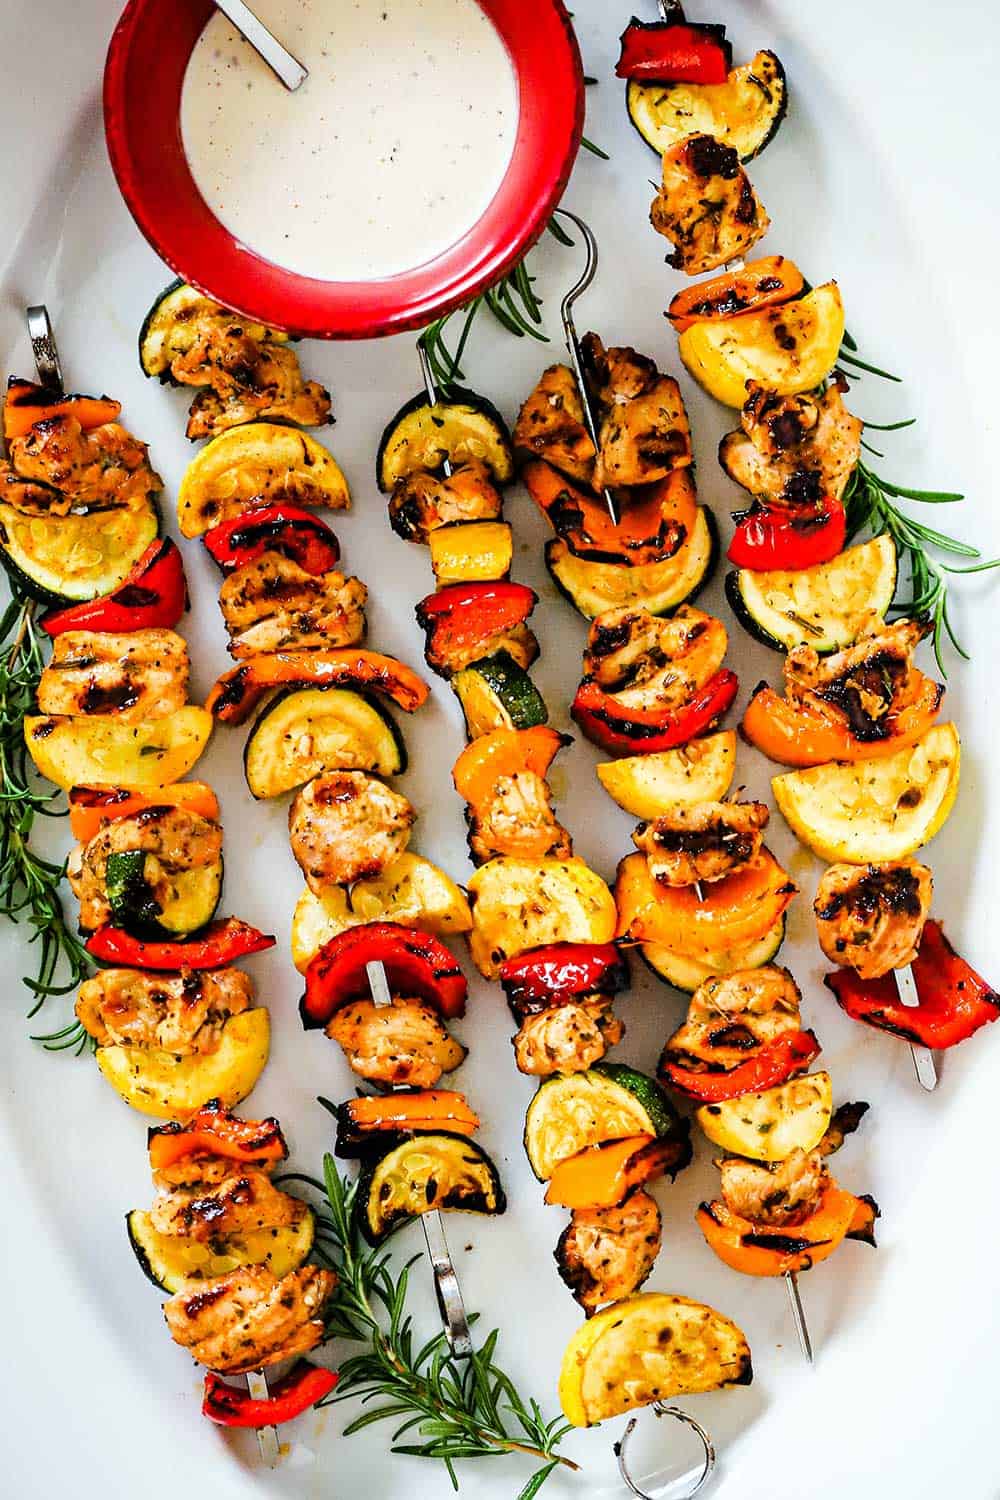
point(99, 750)
point(174, 1261)
point(648, 1348)
point(771, 1124)
point(257, 463)
point(648, 785)
point(686, 971)
point(787, 348)
point(519, 904)
point(868, 811)
point(172, 1088)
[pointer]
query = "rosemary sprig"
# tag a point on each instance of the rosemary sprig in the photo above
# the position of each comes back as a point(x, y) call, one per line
point(29, 884)
point(870, 501)
point(457, 1409)
point(512, 302)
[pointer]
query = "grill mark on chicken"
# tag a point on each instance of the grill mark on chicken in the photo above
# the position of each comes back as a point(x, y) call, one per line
point(867, 681)
point(273, 604)
point(519, 642)
point(605, 1254)
point(422, 501)
point(793, 450)
point(174, 838)
point(706, 205)
point(105, 468)
point(402, 1043)
point(347, 825)
point(781, 1194)
point(872, 917)
point(704, 842)
point(645, 661)
point(550, 425)
point(243, 379)
point(250, 1318)
point(142, 674)
point(517, 819)
point(731, 1014)
point(180, 1013)
point(241, 1202)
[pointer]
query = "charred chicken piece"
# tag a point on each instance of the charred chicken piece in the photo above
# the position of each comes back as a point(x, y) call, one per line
point(867, 681)
point(176, 839)
point(135, 676)
point(421, 502)
point(517, 819)
point(870, 918)
point(704, 842)
point(105, 468)
point(272, 604)
point(244, 380)
point(347, 825)
point(793, 450)
point(606, 1253)
point(241, 1201)
point(181, 1013)
point(706, 206)
point(567, 1038)
point(520, 643)
point(551, 426)
point(643, 433)
point(401, 1043)
point(731, 1015)
point(250, 1318)
point(780, 1193)
point(648, 662)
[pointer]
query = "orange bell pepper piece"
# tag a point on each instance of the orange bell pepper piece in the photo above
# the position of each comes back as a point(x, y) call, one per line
point(27, 403)
point(237, 692)
point(605, 1174)
point(733, 911)
point(764, 1250)
point(90, 807)
point(503, 752)
point(431, 1109)
point(761, 283)
point(654, 520)
point(811, 735)
point(214, 1131)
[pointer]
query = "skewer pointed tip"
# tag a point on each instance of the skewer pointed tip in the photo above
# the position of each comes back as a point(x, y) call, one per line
point(798, 1315)
point(923, 1059)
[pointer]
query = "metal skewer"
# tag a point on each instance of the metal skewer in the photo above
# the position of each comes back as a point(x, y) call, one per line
point(660, 1410)
point(430, 387)
point(923, 1057)
point(286, 68)
point(446, 1284)
point(798, 1314)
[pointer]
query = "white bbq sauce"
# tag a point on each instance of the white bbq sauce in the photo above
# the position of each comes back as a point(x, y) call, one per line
point(388, 153)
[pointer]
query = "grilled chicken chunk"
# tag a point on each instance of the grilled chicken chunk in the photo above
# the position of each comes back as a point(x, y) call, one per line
point(250, 1318)
point(242, 1201)
point(566, 1038)
point(105, 468)
point(137, 676)
point(643, 432)
point(780, 1193)
point(649, 662)
point(181, 1013)
point(520, 643)
point(871, 917)
point(606, 1253)
point(793, 450)
point(401, 1043)
point(346, 825)
point(173, 838)
point(705, 842)
point(551, 425)
point(706, 206)
point(867, 680)
point(272, 604)
point(517, 819)
point(245, 380)
point(421, 502)
point(732, 1014)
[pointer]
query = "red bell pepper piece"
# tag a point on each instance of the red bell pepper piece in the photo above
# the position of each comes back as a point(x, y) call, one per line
point(153, 596)
point(789, 539)
point(634, 731)
point(286, 529)
point(675, 51)
point(416, 963)
point(955, 1001)
point(559, 972)
point(775, 1062)
point(219, 944)
point(290, 1397)
point(464, 615)
point(215, 1131)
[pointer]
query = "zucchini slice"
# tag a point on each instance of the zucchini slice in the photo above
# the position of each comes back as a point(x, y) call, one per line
point(659, 587)
point(823, 606)
point(471, 551)
point(519, 904)
point(421, 436)
point(191, 904)
point(172, 1261)
point(872, 811)
point(744, 112)
point(99, 750)
point(171, 328)
point(258, 463)
point(173, 1088)
point(608, 1102)
point(422, 1173)
point(772, 1123)
point(411, 891)
point(648, 785)
point(497, 693)
point(68, 559)
point(649, 1347)
point(306, 731)
point(686, 972)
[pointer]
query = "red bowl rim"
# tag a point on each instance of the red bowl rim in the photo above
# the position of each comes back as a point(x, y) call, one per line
point(144, 145)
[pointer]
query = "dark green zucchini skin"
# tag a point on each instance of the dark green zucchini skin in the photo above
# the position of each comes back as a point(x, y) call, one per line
point(457, 396)
point(738, 606)
point(371, 1164)
point(132, 905)
point(703, 582)
point(164, 377)
point(140, 1254)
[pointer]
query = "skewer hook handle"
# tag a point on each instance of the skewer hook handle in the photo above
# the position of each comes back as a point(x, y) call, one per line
point(44, 347)
point(660, 1410)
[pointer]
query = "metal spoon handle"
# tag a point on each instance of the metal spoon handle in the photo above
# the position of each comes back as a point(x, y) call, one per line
point(283, 65)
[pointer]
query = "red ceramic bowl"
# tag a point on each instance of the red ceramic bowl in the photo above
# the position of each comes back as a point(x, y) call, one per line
point(143, 78)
